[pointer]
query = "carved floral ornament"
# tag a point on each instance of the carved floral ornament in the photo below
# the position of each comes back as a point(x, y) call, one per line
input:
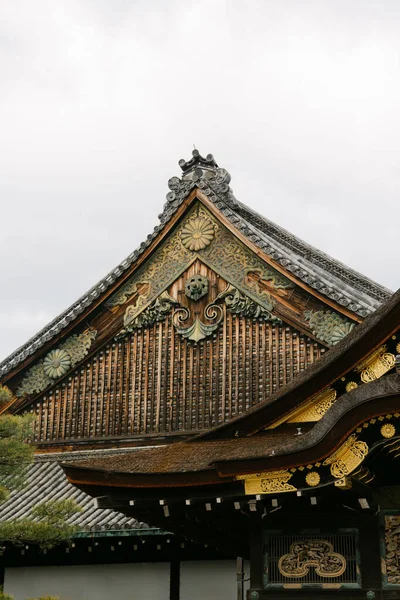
point(57, 363)
point(197, 233)
point(328, 326)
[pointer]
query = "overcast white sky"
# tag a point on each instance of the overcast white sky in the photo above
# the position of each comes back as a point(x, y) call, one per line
point(99, 99)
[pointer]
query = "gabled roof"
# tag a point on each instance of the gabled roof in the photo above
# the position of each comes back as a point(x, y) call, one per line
point(241, 445)
point(329, 277)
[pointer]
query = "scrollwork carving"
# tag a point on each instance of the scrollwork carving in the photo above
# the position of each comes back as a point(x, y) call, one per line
point(239, 304)
point(226, 255)
point(392, 546)
point(157, 311)
point(198, 330)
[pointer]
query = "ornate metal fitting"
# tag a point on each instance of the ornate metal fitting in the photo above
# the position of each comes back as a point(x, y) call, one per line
point(196, 287)
point(376, 365)
point(347, 457)
point(317, 554)
point(270, 482)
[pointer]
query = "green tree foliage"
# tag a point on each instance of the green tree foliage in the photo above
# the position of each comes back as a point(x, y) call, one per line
point(4, 596)
point(47, 525)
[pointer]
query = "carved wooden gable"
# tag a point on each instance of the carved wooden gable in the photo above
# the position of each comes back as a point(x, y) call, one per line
point(201, 331)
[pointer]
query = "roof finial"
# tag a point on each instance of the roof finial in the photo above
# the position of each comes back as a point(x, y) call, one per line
point(197, 161)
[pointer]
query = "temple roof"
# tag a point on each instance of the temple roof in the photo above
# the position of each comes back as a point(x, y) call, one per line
point(317, 270)
point(243, 445)
point(47, 481)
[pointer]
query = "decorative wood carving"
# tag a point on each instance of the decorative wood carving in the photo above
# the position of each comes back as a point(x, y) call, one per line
point(198, 330)
point(328, 326)
point(56, 363)
point(224, 253)
point(196, 287)
point(392, 547)
point(240, 304)
point(154, 313)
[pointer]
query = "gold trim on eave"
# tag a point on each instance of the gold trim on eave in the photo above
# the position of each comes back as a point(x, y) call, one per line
point(267, 483)
point(375, 365)
point(347, 457)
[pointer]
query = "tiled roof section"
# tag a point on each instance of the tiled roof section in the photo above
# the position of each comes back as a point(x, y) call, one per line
point(46, 481)
point(188, 456)
point(323, 273)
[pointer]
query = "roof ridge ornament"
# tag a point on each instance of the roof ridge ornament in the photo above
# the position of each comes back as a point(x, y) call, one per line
point(197, 160)
point(203, 173)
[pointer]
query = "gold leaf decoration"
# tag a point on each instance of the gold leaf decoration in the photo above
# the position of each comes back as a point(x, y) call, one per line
point(375, 365)
point(347, 457)
point(197, 233)
point(316, 409)
point(313, 478)
point(388, 430)
point(267, 483)
point(351, 385)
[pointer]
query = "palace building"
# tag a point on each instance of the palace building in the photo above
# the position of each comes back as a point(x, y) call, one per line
point(224, 405)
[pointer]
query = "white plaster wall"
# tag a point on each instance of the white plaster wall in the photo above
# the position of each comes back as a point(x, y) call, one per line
point(139, 581)
point(210, 580)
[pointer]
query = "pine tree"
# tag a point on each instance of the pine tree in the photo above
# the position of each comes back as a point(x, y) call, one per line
point(48, 524)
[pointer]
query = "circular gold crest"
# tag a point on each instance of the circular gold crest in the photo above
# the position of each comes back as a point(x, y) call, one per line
point(398, 348)
point(351, 385)
point(197, 233)
point(313, 478)
point(388, 430)
point(56, 363)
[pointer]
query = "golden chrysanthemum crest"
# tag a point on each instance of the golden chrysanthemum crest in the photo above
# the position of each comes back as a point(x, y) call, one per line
point(197, 233)
point(388, 430)
point(313, 478)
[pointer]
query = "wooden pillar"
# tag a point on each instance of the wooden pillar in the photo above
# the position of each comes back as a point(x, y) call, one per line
point(175, 579)
point(239, 577)
point(370, 556)
point(256, 553)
